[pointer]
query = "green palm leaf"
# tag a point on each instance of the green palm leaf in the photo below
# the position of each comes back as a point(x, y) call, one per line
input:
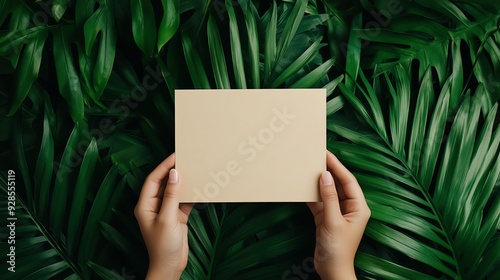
point(76, 213)
point(143, 20)
point(86, 96)
point(228, 241)
point(170, 22)
point(420, 205)
point(102, 21)
point(410, 35)
point(283, 60)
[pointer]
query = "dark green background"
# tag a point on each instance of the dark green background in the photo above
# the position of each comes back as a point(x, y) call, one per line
point(86, 111)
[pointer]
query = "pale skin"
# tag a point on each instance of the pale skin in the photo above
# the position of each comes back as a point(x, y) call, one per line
point(340, 221)
point(163, 222)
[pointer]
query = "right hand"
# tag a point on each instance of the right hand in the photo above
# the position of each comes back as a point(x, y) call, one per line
point(340, 221)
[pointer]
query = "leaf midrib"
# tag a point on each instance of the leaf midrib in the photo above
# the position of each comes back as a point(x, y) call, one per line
point(55, 245)
point(429, 199)
point(215, 245)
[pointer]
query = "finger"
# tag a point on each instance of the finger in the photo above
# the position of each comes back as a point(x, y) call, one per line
point(154, 181)
point(348, 185)
point(329, 196)
point(146, 213)
point(170, 203)
point(161, 190)
point(315, 207)
point(148, 205)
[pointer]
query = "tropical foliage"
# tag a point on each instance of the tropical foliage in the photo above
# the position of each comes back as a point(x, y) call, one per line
point(87, 110)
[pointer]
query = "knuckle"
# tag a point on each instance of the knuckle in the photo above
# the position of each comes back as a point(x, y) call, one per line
point(165, 223)
point(330, 196)
point(169, 193)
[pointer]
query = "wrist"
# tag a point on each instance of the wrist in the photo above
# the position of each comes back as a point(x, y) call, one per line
point(344, 273)
point(161, 273)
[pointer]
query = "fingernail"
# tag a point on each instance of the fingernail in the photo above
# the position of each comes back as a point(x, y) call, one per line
point(173, 177)
point(326, 178)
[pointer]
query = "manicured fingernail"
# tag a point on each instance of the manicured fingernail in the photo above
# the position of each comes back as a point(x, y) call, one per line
point(326, 178)
point(173, 177)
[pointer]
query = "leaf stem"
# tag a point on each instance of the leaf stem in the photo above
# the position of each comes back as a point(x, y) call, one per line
point(428, 197)
point(60, 250)
point(216, 243)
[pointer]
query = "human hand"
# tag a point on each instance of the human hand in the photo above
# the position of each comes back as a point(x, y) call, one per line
point(340, 221)
point(163, 222)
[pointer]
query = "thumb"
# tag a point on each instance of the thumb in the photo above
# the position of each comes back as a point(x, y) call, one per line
point(330, 198)
point(170, 203)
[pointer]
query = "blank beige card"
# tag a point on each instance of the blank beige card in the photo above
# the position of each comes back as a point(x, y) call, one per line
point(250, 145)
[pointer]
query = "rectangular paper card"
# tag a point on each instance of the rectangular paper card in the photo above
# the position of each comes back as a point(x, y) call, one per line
point(250, 145)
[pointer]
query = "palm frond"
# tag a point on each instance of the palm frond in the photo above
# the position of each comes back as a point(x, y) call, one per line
point(407, 34)
point(436, 186)
point(245, 241)
point(57, 231)
point(86, 96)
point(283, 60)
